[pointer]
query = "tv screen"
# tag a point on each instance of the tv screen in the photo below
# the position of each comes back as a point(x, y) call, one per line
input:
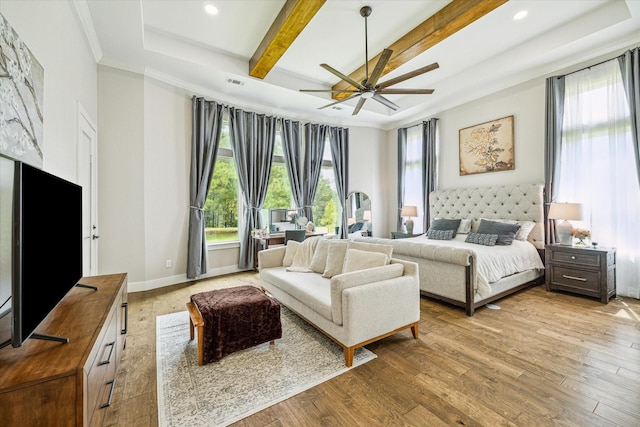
point(47, 246)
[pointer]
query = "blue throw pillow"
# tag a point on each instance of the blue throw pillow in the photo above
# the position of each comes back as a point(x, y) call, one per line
point(439, 234)
point(445, 224)
point(506, 232)
point(482, 239)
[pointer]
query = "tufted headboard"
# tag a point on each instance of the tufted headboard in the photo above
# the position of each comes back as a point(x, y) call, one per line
point(523, 202)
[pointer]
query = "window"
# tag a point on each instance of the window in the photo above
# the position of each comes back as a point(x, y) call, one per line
point(327, 209)
point(597, 165)
point(279, 194)
point(413, 185)
point(221, 205)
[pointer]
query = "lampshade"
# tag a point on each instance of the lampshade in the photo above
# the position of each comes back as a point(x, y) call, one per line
point(566, 211)
point(366, 216)
point(409, 211)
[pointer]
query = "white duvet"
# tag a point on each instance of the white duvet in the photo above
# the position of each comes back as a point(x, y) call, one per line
point(493, 262)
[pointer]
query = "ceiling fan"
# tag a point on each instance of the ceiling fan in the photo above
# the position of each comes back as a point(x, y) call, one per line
point(369, 88)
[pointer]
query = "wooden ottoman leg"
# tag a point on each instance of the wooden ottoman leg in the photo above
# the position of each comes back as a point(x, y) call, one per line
point(195, 319)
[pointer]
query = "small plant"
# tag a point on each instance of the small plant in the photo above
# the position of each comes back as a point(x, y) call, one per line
point(581, 233)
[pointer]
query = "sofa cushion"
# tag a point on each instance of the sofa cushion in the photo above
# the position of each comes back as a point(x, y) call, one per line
point(311, 289)
point(319, 260)
point(373, 247)
point(361, 260)
point(335, 257)
point(290, 252)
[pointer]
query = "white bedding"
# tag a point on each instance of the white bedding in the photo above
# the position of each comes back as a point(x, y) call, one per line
point(493, 262)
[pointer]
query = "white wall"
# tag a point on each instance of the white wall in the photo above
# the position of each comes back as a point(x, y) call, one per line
point(525, 102)
point(52, 32)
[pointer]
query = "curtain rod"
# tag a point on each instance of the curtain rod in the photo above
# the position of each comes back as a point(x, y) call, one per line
point(595, 65)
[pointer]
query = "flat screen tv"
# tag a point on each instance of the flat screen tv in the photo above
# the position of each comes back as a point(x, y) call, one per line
point(46, 255)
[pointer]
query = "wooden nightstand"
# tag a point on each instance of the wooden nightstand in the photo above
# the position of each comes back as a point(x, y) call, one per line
point(584, 271)
point(401, 235)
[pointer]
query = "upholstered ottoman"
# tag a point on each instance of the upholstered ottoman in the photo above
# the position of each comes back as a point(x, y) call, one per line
point(232, 319)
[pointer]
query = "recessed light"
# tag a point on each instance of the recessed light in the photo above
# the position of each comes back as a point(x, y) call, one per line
point(520, 15)
point(211, 9)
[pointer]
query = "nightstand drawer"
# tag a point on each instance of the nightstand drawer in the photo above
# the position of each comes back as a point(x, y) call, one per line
point(576, 258)
point(575, 279)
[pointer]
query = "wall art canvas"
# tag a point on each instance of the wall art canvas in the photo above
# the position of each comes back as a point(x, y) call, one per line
point(21, 99)
point(487, 147)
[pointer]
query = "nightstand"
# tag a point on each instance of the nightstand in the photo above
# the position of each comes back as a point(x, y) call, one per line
point(581, 270)
point(401, 235)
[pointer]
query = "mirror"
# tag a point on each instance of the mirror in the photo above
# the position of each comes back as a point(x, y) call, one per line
point(359, 214)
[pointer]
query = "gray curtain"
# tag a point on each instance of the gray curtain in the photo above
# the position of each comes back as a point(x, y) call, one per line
point(339, 141)
point(205, 138)
point(430, 169)
point(554, 112)
point(252, 139)
point(315, 136)
point(630, 69)
point(292, 146)
point(402, 154)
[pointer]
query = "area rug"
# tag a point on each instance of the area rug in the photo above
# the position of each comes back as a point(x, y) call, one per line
point(242, 383)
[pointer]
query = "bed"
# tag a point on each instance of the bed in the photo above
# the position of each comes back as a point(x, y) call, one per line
point(463, 273)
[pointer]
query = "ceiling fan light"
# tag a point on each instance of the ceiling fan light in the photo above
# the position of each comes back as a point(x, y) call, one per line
point(367, 94)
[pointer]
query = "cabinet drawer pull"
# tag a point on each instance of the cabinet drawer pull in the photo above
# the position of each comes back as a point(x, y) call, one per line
point(126, 318)
point(113, 384)
point(573, 257)
point(581, 279)
point(105, 362)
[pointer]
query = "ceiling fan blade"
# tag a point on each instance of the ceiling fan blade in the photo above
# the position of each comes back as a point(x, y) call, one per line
point(329, 90)
point(359, 106)
point(409, 75)
point(406, 91)
point(377, 71)
point(338, 102)
point(342, 76)
point(384, 101)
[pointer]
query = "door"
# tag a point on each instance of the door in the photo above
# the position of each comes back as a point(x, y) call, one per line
point(88, 179)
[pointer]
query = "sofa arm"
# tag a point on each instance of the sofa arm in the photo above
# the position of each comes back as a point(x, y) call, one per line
point(344, 281)
point(271, 257)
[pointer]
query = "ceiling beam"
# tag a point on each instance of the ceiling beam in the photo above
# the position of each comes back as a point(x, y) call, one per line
point(294, 16)
point(444, 23)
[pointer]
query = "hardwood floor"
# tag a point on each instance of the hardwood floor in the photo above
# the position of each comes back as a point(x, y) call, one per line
point(542, 359)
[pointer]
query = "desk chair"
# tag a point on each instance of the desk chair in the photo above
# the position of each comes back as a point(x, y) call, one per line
point(297, 235)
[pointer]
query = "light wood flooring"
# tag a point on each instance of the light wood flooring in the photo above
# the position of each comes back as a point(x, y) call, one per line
point(543, 359)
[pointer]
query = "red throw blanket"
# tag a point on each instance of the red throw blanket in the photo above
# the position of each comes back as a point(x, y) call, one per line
point(236, 319)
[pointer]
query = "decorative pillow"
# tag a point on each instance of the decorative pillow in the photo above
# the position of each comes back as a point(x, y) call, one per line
point(506, 232)
point(525, 227)
point(482, 239)
point(465, 226)
point(440, 234)
point(445, 224)
point(335, 257)
point(361, 260)
point(319, 259)
point(373, 247)
point(290, 252)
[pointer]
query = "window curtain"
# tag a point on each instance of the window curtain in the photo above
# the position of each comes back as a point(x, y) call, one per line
point(402, 153)
point(205, 139)
point(292, 147)
point(598, 166)
point(554, 112)
point(430, 170)
point(339, 141)
point(630, 69)
point(252, 138)
point(315, 136)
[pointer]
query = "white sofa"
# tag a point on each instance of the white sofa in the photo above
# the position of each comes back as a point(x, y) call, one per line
point(353, 308)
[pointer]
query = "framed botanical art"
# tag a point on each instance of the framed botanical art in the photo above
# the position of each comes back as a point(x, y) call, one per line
point(487, 147)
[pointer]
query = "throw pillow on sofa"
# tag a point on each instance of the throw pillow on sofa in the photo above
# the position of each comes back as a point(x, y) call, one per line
point(336, 252)
point(290, 252)
point(361, 260)
point(319, 260)
point(373, 247)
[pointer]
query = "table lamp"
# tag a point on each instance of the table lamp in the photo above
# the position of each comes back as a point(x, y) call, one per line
point(409, 211)
point(567, 212)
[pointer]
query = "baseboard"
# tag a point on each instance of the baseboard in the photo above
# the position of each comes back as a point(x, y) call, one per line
point(180, 278)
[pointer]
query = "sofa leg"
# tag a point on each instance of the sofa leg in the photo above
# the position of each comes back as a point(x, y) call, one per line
point(348, 356)
point(415, 329)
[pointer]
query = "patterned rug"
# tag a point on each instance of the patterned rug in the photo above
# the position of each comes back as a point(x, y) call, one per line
point(242, 383)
